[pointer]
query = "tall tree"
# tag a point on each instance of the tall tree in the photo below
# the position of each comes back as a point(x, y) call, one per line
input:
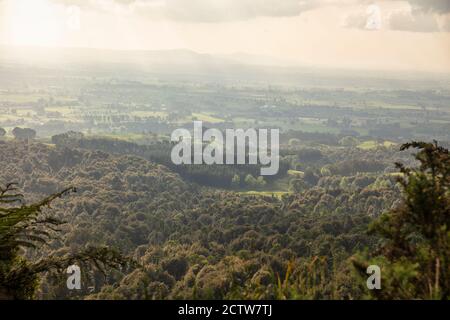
point(415, 250)
point(24, 133)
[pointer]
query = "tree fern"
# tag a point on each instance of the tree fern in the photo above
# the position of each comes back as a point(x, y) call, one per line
point(26, 226)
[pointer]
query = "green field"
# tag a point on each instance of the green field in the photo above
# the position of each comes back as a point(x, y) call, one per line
point(277, 194)
point(372, 144)
point(22, 97)
point(206, 118)
point(296, 173)
point(149, 114)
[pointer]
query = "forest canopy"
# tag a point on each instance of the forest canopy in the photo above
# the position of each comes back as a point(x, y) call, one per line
point(192, 241)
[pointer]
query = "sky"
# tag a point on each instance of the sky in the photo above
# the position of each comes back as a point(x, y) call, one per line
point(388, 35)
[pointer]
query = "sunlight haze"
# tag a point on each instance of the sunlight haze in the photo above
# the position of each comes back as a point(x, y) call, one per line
point(337, 34)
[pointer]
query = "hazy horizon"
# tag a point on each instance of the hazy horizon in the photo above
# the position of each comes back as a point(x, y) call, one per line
point(353, 34)
point(66, 56)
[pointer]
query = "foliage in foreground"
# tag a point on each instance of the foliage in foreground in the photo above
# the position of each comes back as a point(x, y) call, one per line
point(415, 252)
point(29, 226)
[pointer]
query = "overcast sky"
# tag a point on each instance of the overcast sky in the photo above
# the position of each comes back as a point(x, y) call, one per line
point(390, 34)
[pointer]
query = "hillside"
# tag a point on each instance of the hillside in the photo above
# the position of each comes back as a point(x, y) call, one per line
point(193, 242)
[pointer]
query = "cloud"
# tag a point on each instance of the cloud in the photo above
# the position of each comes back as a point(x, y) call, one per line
point(446, 24)
point(413, 21)
point(415, 15)
point(203, 10)
point(433, 6)
point(412, 16)
point(371, 19)
point(356, 21)
point(227, 10)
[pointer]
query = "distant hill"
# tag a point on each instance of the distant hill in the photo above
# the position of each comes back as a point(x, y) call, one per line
point(190, 66)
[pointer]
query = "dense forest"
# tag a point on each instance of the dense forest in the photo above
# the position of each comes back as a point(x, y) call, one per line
point(224, 150)
point(171, 236)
